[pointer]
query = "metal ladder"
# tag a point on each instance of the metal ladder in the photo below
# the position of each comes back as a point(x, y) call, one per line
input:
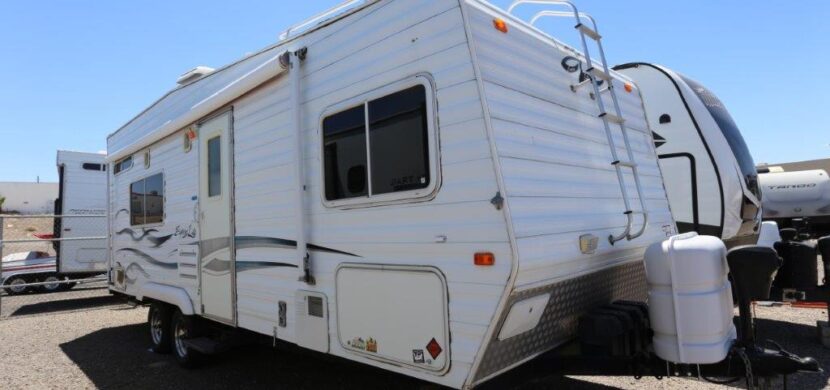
point(596, 77)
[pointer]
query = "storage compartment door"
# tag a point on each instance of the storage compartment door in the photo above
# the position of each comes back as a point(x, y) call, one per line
point(394, 313)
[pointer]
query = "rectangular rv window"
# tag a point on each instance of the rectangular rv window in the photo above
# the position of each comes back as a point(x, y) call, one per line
point(147, 200)
point(92, 167)
point(393, 158)
point(344, 147)
point(214, 162)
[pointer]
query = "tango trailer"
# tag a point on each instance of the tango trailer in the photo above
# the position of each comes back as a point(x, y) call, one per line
point(709, 173)
point(798, 195)
point(427, 187)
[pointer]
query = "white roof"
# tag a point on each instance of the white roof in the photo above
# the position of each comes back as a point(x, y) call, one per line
point(188, 103)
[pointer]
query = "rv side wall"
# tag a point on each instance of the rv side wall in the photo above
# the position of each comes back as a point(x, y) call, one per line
point(388, 46)
point(159, 251)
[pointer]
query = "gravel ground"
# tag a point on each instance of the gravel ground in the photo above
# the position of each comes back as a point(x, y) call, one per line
point(87, 339)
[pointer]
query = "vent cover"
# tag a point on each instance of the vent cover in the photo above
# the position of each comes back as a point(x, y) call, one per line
point(194, 74)
point(315, 307)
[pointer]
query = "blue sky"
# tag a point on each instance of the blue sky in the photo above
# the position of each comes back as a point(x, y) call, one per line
point(73, 71)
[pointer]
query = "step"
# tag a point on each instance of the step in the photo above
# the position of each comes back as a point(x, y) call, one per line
point(612, 118)
point(205, 345)
point(589, 32)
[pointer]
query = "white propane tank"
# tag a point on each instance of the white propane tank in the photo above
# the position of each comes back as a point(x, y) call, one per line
point(690, 299)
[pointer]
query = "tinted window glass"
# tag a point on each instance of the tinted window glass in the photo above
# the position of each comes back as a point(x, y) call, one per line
point(147, 200)
point(137, 203)
point(92, 167)
point(214, 167)
point(344, 145)
point(154, 199)
point(730, 130)
point(398, 140)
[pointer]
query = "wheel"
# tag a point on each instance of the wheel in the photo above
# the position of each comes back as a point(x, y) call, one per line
point(160, 331)
point(67, 286)
point(184, 328)
point(14, 284)
point(55, 284)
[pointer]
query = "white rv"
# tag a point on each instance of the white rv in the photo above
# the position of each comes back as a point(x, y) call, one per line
point(797, 194)
point(709, 173)
point(82, 201)
point(427, 187)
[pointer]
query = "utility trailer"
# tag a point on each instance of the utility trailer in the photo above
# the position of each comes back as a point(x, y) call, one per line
point(428, 187)
point(709, 172)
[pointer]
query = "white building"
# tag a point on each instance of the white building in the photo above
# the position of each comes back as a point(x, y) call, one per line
point(29, 198)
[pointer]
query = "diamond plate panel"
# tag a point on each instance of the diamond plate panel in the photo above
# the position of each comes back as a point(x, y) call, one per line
point(569, 300)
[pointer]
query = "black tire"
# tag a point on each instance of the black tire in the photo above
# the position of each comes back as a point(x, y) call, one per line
point(183, 327)
point(67, 286)
point(46, 288)
point(158, 321)
point(13, 280)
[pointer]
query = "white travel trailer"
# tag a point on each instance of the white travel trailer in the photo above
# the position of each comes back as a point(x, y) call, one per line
point(423, 186)
point(82, 199)
point(797, 194)
point(709, 173)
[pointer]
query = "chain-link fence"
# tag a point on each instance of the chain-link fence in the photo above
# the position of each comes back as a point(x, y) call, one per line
point(52, 263)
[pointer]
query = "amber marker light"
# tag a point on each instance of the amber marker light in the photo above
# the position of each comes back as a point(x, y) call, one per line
point(484, 258)
point(500, 25)
point(629, 87)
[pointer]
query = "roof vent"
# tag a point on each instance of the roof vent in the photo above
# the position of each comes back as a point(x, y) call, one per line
point(194, 74)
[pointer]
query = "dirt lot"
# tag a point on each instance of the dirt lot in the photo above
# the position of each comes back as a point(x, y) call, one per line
point(24, 228)
point(87, 339)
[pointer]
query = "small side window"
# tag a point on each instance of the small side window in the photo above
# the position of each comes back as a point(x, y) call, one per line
point(92, 167)
point(214, 157)
point(147, 158)
point(123, 165)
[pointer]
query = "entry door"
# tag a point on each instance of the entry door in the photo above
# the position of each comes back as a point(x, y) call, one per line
point(216, 262)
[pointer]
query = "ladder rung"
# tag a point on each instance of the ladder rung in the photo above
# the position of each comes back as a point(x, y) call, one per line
point(588, 31)
point(625, 164)
point(575, 87)
point(598, 73)
point(612, 118)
